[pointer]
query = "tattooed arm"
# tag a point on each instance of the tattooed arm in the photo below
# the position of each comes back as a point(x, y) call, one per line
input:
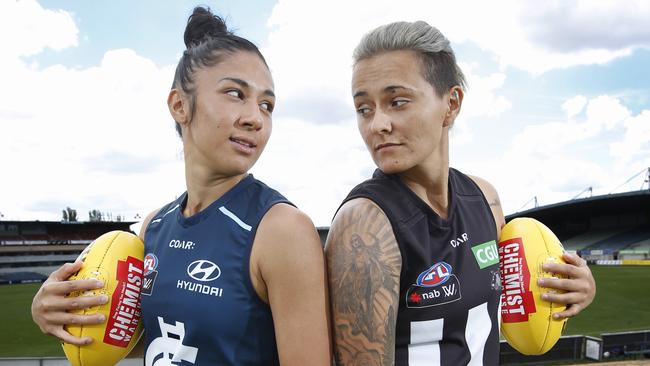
point(364, 266)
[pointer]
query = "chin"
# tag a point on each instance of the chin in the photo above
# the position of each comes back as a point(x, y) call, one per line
point(392, 167)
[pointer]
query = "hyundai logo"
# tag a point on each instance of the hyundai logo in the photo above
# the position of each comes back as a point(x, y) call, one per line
point(203, 270)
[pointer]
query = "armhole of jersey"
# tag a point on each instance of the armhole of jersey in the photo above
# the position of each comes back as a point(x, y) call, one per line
point(393, 225)
point(249, 251)
point(146, 228)
point(494, 221)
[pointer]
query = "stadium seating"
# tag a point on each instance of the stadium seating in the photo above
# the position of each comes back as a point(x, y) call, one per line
point(622, 240)
point(589, 238)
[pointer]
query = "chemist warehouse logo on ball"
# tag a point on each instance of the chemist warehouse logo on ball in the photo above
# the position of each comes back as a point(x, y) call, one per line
point(435, 286)
point(202, 272)
point(517, 300)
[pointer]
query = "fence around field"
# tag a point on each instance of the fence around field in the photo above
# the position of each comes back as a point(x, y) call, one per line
point(611, 346)
point(57, 361)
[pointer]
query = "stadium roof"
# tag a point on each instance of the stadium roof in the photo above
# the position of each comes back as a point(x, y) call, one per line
point(608, 204)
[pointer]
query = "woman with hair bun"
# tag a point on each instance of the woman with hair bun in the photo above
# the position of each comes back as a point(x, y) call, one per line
point(238, 274)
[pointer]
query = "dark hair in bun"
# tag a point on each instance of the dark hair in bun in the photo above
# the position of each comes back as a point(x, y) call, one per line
point(208, 41)
point(203, 24)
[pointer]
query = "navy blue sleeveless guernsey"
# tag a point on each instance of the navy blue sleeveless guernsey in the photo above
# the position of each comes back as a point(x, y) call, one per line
point(449, 282)
point(199, 306)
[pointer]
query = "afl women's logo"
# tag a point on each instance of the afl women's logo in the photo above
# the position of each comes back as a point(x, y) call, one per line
point(203, 270)
point(438, 274)
point(150, 263)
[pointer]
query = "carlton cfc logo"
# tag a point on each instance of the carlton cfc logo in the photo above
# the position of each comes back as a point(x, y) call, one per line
point(438, 274)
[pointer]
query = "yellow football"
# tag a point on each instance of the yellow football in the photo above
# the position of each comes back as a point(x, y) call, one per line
point(116, 259)
point(526, 320)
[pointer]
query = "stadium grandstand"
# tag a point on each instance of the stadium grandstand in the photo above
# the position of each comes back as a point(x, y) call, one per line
point(608, 228)
point(31, 250)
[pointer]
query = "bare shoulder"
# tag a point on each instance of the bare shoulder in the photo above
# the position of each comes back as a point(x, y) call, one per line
point(361, 225)
point(493, 200)
point(145, 223)
point(360, 214)
point(284, 236)
point(286, 226)
point(486, 187)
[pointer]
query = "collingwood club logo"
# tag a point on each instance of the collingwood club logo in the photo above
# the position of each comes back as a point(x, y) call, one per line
point(203, 270)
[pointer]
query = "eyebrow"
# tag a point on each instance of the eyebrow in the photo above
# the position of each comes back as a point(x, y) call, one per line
point(389, 89)
point(245, 84)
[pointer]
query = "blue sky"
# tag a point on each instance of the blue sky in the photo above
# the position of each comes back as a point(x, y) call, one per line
point(558, 99)
point(152, 28)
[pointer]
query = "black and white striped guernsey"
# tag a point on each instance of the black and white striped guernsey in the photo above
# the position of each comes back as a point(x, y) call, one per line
point(449, 282)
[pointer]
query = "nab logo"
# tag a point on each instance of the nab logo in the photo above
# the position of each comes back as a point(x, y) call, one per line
point(150, 263)
point(203, 270)
point(438, 274)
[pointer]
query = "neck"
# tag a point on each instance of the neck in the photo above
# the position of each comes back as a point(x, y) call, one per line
point(205, 187)
point(429, 180)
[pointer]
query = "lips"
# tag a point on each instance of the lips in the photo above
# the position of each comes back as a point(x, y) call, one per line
point(386, 145)
point(243, 141)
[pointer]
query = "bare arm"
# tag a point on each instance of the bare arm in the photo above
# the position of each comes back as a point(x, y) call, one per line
point(493, 200)
point(364, 265)
point(289, 264)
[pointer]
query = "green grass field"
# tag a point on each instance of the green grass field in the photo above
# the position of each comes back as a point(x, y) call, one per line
point(622, 303)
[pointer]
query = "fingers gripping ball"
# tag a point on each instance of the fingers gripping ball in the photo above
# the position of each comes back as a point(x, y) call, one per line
point(526, 320)
point(116, 259)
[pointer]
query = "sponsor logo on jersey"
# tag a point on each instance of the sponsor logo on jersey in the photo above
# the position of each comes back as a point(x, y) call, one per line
point(459, 240)
point(435, 286)
point(181, 244)
point(125, 313)
point(150, 273)
point(203, 270)
point(516, 300)
point(486, 254)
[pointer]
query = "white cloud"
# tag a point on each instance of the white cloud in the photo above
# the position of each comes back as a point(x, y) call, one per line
point(97, 137)
point(636, 144)
point(482, 99)
point(575, 105)
point(583, 24)
point(523, 34)
point(314, 166)
point(555, 160)
point(26, 28)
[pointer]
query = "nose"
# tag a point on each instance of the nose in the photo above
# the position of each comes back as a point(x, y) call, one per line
point(251, 117)
point(381, 122)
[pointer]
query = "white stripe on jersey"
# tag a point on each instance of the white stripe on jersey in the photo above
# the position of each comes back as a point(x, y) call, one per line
point(477, 332)
point(424, 348)
point(168, 212)
point(236, 219)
